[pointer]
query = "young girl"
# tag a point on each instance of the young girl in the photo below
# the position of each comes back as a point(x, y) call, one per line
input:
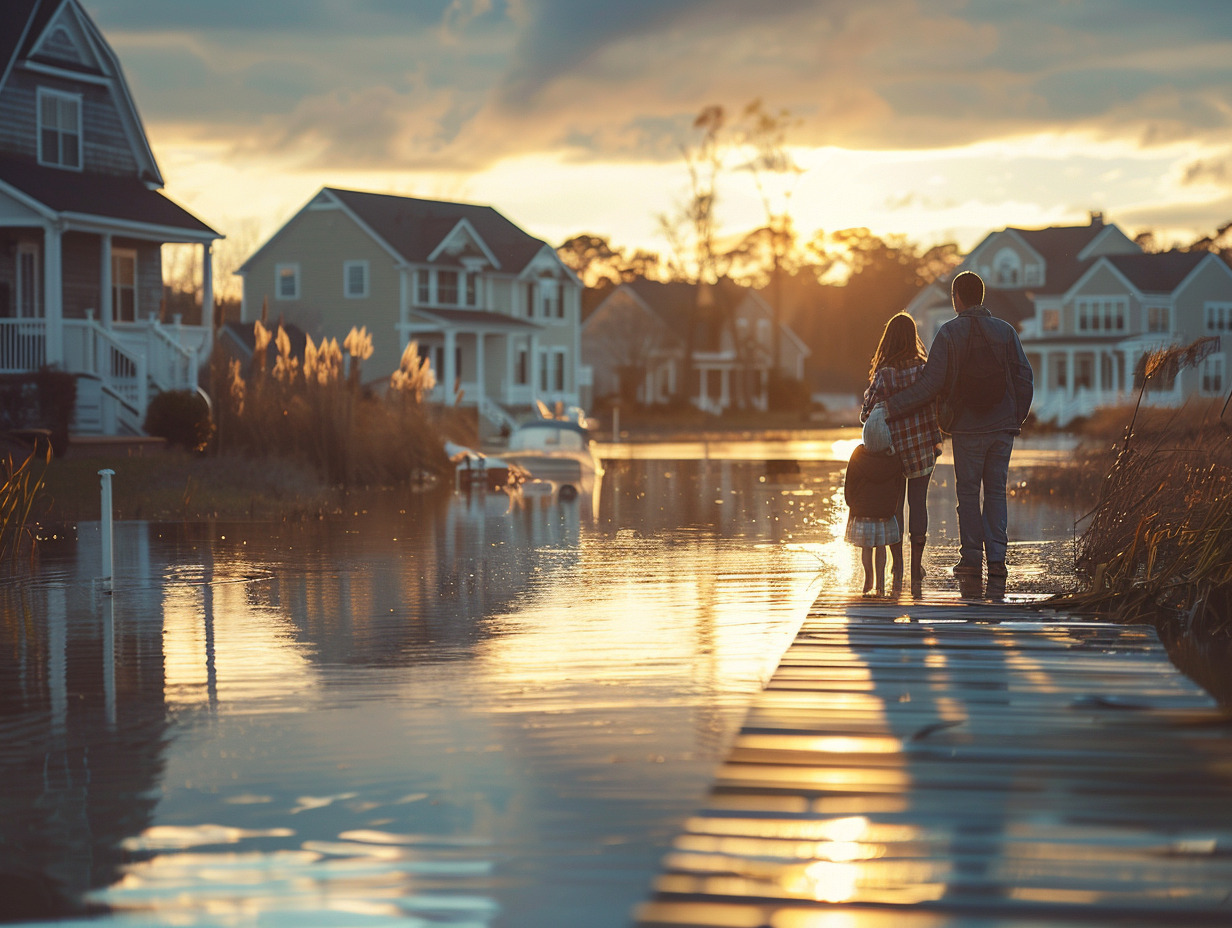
point(916, 437)
point(874, 492)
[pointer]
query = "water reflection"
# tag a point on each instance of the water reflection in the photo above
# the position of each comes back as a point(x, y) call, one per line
point(445, 708)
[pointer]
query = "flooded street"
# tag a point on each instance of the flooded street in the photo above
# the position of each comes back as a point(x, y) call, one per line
point(440, 711)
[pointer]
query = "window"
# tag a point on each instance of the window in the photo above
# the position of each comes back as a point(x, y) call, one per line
point(1158, 319)
point(1212, 376)
point(530, 301)
point(1050, 319)
point(59, 129)
point(423, 288)
point(1218, 317)
point(543, 369)
point(124, 285)
point(355, 279)
point(1106, 314)
point(558, 369)
point(522, 366)
point(1008, 267)
point(1060, 371)
point(447, 287)
point(286, 281)
point(472, 289)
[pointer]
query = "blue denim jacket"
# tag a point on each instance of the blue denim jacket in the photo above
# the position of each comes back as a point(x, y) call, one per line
point(948, 350)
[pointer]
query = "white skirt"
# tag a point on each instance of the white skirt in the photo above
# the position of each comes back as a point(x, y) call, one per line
point(873, 533)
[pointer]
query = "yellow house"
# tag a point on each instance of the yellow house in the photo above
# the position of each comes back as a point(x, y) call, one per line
point(492, 307)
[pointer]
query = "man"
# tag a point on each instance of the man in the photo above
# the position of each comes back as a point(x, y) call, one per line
point(982, 437)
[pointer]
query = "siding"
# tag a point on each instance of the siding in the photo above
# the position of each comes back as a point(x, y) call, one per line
point(1211, 283)
point(319, 241)
point(105, 147)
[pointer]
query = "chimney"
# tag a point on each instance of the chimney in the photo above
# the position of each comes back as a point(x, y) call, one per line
point(1097, 217)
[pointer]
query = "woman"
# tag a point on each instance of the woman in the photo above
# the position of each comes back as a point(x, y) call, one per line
point(896, 364)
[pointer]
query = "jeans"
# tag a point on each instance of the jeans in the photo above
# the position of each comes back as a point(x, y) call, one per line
point(982, 459)
point(917, 501)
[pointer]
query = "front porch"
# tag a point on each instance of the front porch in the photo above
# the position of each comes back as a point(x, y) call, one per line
point(1073, 381)
point(83, 293)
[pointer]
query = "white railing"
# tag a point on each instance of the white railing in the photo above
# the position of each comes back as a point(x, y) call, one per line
point(23, 345)
point(496, 413)
point(173, 366)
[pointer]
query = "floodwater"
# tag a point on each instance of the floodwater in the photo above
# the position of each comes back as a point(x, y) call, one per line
point(439, 711)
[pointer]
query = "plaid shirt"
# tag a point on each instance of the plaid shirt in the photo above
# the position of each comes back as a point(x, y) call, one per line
point(916, 436)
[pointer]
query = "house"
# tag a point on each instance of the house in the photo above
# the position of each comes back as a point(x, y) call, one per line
point(637, 341)
point(82, 223)
point(1090, 305)
point(492, 307)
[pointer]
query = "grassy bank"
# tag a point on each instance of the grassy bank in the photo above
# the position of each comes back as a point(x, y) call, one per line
point(175, 485)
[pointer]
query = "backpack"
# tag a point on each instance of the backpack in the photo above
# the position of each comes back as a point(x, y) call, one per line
point(980, 383)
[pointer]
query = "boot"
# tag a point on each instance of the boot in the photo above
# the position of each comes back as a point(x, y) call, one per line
point(917, 565)
point(896, 570)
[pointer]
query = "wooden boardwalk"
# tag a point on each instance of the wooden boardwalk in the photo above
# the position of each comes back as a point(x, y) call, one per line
point(963, 764)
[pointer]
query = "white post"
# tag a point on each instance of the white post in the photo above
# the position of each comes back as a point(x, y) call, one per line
point(106, 309)
point(207, 286)
point(105, 528)
point(53, 293)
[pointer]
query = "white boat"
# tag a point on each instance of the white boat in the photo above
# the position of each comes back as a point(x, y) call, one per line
point(559, 450)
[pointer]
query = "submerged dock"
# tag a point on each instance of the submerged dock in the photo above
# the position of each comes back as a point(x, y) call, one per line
point(963, 764)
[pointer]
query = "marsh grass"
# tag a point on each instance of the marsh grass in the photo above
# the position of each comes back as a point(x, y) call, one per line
point(22, 482)
point(1157, 546)
point(318, 413)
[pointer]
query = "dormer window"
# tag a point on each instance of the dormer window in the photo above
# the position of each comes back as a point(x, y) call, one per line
point(59, 129)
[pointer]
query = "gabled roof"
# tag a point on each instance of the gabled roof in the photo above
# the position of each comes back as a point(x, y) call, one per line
point(23, 24)
point(414, 228)
point(1013, 306)
point(1060, 247)
point(21, 21)
point(106, 196)
point(1162, 272)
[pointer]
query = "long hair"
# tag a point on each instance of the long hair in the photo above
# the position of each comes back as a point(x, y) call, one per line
point(900, 345)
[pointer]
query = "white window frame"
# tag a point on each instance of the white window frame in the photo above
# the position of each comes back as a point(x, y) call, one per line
point(1050, 320)
point(119, 255)
point(293, 276)
point(60, 98)
point(457, 287)
point(1159, 318)
point(1212, 376)
point(1218, 317)
point(347, 268)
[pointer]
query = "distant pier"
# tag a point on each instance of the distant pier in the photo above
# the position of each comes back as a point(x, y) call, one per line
point(963, 764)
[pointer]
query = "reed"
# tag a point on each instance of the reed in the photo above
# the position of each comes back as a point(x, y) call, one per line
point(21, 486)
point(319, 412)
point(1158, 543)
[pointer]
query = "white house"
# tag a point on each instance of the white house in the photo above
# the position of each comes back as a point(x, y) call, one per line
point(493, 308)
point(1090, 305)
point(82, 223)
point(637, 339)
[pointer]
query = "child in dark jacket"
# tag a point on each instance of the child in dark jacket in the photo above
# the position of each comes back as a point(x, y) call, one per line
point(873, 489)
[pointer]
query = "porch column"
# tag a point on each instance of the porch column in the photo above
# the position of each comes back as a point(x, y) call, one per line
point(1071, 389)
point(451, 369)
point(725, 388)
point(104, 282)
point(480, 373)
point(534, 365)
point(404, 305)
point(703, 377)
point(53, 292)
point(207, 284)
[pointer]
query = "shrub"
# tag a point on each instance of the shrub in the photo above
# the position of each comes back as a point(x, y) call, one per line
point(182, 417)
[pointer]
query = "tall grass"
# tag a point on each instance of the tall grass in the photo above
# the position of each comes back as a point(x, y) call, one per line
point(319, 412)
point(22, 483)
point(1158, 545)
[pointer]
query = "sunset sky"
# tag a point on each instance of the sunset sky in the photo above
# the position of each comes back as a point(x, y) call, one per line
point(940, 119)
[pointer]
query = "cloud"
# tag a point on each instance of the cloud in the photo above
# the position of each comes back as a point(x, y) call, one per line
point(460, 84)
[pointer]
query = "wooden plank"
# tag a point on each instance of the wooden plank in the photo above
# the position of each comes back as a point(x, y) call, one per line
point(961, 765)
